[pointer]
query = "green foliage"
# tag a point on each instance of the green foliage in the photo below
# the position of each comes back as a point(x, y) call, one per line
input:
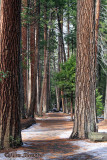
point(60, 3)
point(14, 142)
point(66, 77)
point(102, 51)
point(99, 104)
point(71, 38)
point(26, 16)
point(103, 19)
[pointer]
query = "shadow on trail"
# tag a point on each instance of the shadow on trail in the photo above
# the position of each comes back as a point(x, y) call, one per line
point(63, 150)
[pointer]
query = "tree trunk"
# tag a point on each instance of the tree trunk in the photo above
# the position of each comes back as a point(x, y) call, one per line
point(85, 109)
point(37, 67)
point(71, 106)
point(68, 29)
point(33, 59)
point(62, 48)
point(21, 87)
point(48, 68)
point(105, 109)
point(45, 96)
point(97, 15)
point(38, 86)
point(32, 52)
point(58, 92)
point(10, 132)
point(24, 51)
point(56, 88)
point(28, 74)
point(33, 105)
point(63, 105)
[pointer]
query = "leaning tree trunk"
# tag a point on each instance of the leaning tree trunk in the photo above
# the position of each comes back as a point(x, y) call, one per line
point(10, 132)
point(85, 109)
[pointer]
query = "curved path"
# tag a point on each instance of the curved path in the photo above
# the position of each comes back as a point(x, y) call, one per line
point(49, 139)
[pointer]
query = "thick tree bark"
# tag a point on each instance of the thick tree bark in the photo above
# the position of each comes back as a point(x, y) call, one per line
point(85, 109)
point(105, 109)
point(10, 132)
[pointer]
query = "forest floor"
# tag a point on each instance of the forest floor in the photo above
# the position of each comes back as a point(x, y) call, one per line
point(49, 139)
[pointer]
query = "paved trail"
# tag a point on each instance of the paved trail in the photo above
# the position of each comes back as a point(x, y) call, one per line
point(49, 139)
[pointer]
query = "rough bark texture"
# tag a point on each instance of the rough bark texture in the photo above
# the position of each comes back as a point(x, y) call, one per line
point(10, 133)
point(85, 109)
point(105, 109)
